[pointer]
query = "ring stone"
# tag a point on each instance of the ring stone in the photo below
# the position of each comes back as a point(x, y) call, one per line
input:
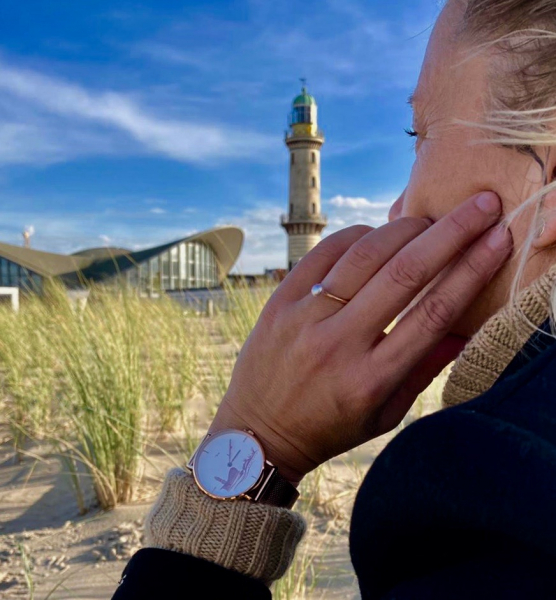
point(317, 290)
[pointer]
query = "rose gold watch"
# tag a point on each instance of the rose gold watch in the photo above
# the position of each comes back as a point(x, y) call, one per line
point(231, 465)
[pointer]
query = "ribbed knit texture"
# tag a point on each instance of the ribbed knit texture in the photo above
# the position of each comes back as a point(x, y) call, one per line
point(254, 539)
point(498, 341)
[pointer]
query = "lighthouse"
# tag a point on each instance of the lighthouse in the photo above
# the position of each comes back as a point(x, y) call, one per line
point(304, 222)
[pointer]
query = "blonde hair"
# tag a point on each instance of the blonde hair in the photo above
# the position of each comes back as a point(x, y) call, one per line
point(521, 37)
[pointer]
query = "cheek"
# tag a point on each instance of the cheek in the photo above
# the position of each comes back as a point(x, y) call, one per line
point(425, 195)
point(444, 175)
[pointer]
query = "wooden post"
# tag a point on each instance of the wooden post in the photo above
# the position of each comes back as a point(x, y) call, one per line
point(13, 293)
point(210, 308)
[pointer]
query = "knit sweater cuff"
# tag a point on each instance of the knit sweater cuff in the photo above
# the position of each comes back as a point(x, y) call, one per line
point(254, 539)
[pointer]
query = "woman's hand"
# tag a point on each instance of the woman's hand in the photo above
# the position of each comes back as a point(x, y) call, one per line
point(316, 378)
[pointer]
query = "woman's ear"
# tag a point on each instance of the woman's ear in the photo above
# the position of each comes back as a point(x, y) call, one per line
point(545, 235)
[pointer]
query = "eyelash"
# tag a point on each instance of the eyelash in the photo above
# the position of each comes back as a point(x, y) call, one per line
point(411, 132)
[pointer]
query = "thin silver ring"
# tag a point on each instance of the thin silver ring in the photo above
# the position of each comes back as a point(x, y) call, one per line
point(318, 290)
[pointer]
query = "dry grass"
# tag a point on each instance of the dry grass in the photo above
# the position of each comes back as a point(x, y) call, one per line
point(93, 381)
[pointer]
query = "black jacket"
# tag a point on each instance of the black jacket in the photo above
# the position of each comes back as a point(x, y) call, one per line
point(461, 504)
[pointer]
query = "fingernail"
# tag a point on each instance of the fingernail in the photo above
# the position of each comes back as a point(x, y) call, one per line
point(489, 203)
point(500, 237)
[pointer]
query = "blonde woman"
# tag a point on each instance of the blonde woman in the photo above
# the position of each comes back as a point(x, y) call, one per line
point(461, 503)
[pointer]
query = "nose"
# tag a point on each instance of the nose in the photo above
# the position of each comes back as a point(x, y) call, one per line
point(395, 211)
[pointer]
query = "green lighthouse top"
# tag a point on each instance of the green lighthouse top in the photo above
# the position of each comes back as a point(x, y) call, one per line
point(304, 99)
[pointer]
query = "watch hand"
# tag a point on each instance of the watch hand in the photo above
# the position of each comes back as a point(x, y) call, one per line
point(230, 461)
point(237, 454)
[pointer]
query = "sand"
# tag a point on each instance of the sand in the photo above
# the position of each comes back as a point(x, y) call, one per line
point(46, 545)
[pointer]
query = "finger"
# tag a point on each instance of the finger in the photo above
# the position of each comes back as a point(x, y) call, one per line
point(406, 274)
point(315, 265)
point(362, 261)
point(421, 329)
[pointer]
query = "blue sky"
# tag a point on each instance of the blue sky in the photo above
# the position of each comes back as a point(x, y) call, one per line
point(135, 123)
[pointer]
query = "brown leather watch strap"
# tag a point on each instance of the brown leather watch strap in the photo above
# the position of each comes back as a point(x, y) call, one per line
point(278, 492)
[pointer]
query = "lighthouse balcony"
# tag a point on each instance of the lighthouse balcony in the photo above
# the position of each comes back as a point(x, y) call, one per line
point(318, 135)
point(310, 219)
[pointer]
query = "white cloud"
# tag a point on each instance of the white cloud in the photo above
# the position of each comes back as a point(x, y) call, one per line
point(265, 241)
point(157, 211)
point(77, 110)
point(357, 203)
point(346, 210)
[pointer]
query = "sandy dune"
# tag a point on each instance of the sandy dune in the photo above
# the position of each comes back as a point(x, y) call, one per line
point(81, 557)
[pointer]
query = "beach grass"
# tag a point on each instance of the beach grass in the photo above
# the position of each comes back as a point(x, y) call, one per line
point(106, 382)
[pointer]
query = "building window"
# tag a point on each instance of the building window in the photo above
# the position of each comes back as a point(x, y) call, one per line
point(174, 268)
point(183, 266)
point(165, 270)
point(14, 274)
point(186, 265)
point(144, 283)
point(133, 277)
point(4, 272)
point(314, 182)
point(314, 208)
point(293, 159)
point(313, 157)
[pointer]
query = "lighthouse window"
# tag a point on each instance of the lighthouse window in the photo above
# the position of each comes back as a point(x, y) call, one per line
point(301, 114)
point(314, 208)
point(314, 182)
point(313, 157)
point(293, 158)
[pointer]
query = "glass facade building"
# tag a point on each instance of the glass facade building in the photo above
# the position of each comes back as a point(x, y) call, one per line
point(202, 260)
point(186, 265)
point(14, 275)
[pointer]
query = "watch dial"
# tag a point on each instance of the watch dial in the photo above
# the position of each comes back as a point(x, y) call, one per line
point(228, 464)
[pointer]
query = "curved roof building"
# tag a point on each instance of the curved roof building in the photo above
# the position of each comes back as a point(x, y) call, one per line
point(201, 260)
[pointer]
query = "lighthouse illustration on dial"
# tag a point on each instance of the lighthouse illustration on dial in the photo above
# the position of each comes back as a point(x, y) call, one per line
point(229, 463)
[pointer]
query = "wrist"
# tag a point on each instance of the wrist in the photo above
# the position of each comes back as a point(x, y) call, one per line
point(291, 464)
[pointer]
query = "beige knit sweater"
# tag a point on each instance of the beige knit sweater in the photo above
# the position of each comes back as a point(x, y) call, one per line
point(255, 539)
point(494, 346)
point(259, 540)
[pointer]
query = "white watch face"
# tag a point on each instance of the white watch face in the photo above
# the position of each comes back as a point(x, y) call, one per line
point(228, 464)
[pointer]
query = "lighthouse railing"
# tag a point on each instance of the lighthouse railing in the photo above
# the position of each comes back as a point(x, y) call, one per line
point(285, 219)
point(290, 134)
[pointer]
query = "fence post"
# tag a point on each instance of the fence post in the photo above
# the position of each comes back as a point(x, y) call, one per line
point(13, 293)
point(210, 308)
